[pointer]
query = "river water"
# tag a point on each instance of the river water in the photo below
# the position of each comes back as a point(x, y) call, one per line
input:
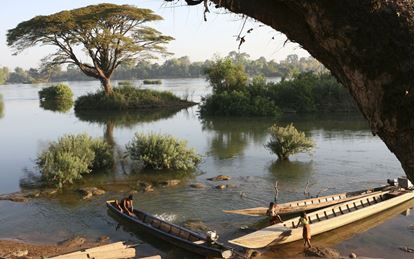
point(347, 157)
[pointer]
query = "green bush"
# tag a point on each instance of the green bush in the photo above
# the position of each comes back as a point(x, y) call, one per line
point(56, 92)
point(127, 97)
point(66, 160)
point(286, 141)
point(152, 82)
point(224, 75)
point(238, 103)
point(158, 152)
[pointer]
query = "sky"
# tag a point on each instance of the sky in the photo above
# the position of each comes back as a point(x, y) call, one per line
point(194, 37)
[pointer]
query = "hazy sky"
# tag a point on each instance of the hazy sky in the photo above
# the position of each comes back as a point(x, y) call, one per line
point(194, 37)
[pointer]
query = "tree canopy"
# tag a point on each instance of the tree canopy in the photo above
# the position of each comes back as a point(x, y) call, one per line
point(109, 34)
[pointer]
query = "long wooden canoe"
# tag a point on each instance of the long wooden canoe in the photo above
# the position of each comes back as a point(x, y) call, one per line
point(325, 219)
point(174, 234)
point(310, 204)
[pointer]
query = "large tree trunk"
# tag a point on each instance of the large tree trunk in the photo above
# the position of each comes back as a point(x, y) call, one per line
point(366, 44)
point(106, 83)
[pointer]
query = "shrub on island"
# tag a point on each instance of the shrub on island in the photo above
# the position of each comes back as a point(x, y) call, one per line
point(127, 97)
point(56, 93)
point(159, 152)
point(66, 160)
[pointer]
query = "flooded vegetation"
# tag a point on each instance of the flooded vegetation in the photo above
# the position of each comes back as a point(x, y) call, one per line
point(346, 157)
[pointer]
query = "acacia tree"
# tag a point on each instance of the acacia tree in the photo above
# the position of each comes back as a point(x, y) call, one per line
point(367, 44)
point(109, 34)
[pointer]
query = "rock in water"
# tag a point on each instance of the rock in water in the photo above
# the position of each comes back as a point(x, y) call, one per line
point(220, 186)
point(72, 242)
point(170, 182)
point(220, 178)
point(352, 255)
point(323, 252)
point(197, 185)
point(88, 192)
point(145, 187)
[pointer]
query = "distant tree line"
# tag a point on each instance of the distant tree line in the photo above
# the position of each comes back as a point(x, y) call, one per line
point(172, 68)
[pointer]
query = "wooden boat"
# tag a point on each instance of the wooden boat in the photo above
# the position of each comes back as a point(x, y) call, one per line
point(174, 234)
point(325, 219)
point(310, 204)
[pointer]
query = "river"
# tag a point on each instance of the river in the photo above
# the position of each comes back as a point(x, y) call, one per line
point(347, 157)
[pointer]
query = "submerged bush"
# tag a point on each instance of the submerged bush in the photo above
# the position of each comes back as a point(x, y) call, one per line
point(238, 103)
point(158, 152)
point(56, 92)
point(66, 160)
point(151, 82)
point(286, 141)
point(127, 97)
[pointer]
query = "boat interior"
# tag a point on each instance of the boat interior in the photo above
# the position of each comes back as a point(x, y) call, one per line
point(343, 208)
point(167, 227)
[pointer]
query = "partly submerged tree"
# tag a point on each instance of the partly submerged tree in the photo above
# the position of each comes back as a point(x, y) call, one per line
point(287, 141)
point(109, 34)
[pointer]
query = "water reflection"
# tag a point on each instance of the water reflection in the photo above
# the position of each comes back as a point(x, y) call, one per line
point(231, 136)
point(122, 119)
point(62, 106)
point(292, 176)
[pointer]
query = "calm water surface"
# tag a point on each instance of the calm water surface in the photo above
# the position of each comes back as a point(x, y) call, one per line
point(347, 157)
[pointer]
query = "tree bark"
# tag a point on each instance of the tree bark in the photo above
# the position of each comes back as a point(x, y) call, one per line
point(366, 44)
point(106, 84)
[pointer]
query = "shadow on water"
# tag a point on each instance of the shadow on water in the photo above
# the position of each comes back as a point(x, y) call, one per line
point(61, 106)
point(171, 251)
point(231, 136)
point(337, 236)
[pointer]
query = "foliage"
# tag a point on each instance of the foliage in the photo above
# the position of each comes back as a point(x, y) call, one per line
point(57, 92)
point(4, 75)
point(304, 92)
point(286, 141)
point(66, 160)
point(162, 152)
point(238, 103)
point(110, 34)
point(308, 92)
point(152, 82)
point(129, 98)
point(225, 76)
point(178, 68)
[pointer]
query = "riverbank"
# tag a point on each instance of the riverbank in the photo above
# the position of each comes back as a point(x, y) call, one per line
point(19, 249)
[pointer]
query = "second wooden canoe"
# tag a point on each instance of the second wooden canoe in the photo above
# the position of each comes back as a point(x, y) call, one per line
point(310, 204)
point(325, 219)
